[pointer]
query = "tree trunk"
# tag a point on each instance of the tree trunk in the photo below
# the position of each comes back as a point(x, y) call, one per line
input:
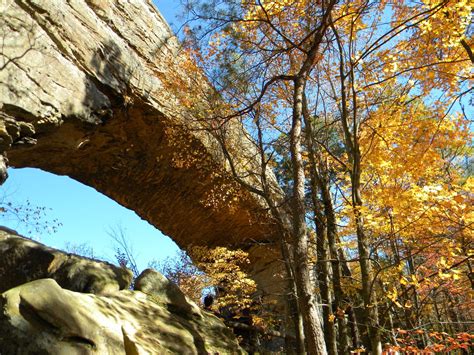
point(336, 268)
point(352, 318)
point(323, 279)
point(312, 328)
point(368, 294)
point(352, 148)
point(324, 269)
point(295, 321)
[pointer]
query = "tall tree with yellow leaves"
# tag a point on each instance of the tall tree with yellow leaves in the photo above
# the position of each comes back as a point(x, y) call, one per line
point(386, 78)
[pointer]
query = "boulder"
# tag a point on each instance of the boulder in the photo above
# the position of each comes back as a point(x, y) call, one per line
point(164, 291)
point(40, 317)
point(25, 260)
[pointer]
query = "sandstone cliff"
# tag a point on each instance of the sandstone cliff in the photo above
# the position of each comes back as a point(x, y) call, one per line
point(86, 90)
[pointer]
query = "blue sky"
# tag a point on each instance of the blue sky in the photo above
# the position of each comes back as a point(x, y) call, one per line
point(86, 215)
point(169, 9)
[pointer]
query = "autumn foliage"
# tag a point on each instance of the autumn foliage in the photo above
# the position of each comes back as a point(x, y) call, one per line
point(361, 109)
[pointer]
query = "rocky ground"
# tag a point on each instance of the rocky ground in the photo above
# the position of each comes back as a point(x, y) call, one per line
point(59, 303)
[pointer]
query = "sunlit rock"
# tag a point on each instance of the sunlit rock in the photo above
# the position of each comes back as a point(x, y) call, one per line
point(23, 260)
point(41, 317)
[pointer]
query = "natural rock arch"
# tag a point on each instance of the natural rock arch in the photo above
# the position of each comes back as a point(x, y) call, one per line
point(85, 92)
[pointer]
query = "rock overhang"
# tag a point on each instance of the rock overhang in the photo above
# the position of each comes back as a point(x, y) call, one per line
point(94, 92)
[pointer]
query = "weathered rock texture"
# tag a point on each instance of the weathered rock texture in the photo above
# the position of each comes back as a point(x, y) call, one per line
point(23, 260)
point(164, 292)
point(86, 90)
point(87, 99)
point(58, 303)
point(40, 317)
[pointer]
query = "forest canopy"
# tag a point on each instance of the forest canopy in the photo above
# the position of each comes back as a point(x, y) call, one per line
point(361, 109)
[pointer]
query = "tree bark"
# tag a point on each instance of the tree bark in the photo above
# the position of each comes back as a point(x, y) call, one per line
point(294, 315)
point(365, 266)
point(322, 234)
point(336, 266)
point(314, 336)
point(323, 280)
point(352, 318)
point(352, 148)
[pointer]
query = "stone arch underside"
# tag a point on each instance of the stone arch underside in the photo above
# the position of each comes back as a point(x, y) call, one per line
point(86, 91)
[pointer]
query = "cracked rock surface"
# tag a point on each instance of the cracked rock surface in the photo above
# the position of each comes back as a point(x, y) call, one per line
point(41, 317)
point(88, 90)
point(59, 303)
point(23, 260)
point(84, 93)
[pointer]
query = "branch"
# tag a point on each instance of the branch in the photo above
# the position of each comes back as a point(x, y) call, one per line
point(468, 50)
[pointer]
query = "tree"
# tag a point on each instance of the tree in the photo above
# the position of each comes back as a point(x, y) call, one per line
point(371, 82)
point(218, 271)
point(82, 249)
point(339, 93)
point(283, 58)
point(34, 220)
point(124, 252)
point(224, 270)
point(181, 270)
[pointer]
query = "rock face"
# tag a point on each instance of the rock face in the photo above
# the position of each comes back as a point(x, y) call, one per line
point(165, 292)
point(82, 310)
point(23, 260)
point(88, 89)
point(88, 96)
point(40, 317)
